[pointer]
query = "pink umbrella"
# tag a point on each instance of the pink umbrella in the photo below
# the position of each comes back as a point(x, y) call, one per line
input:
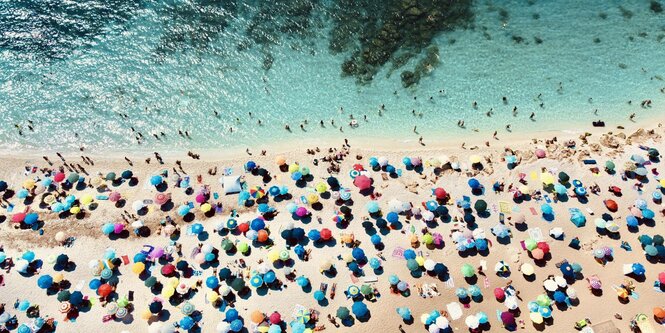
point(362, 182)
point(595, 283)
point(540, 153)
point(438, 238)
point(58, 177)
point(200, 198)
point(161, 198)
point(416, 161)
point(537, 254)
point(18, 217)
point(499, 293)
point(118, 228)
point(661, 277)
point(507, 318)
point(636, 212)
point(301, 211)
point(156, 253)
point(114, 197)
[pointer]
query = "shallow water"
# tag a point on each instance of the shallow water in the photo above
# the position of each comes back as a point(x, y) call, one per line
point(73, 67)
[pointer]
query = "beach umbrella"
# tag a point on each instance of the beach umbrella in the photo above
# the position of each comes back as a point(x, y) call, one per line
point(499, 293)
point(359, 309)
point(186, 323)
point(412, 265)
point(156, 180)
point(480, 206)
point(546, 209)
point(536, 317)
point(45, 281)
point(257, 316)
point(256, 281)
point(362, 182)
point(638, 269)
point(472, 322)
point(559, 296)
point(474, 291)
point(442, 322)
point(372, 207)
point(543, 300)
point(461, 293)
point(538, 254)
point(237, 284)
point(507, 318)
point(468, 270)
point(187, 308)
point(319, 295)
point(366, 290)
point(342, 313)
point(659, 313)
point(183, 210)
point(545, 311)
point(402, 286)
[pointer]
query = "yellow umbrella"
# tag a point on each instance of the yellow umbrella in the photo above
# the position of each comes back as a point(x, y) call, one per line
point(138, 267)
point(420, 260)
point(273, 255)
point(475, 159)
point(294, 167)
point(146, 314)
point(96, 181)
point(49, 199)
point(75, 210)
point(321, 187)
point(86, 199)
point(347, 257)
point(524, 189)
point(173, 281)
point(168, 291)
point(547, 178)
point(213, 296)
point(662, 182)
point(206, 207)
point(312, 198)
point(29, 184)
point(325, 265)
point(527, 269)
point(58, 277)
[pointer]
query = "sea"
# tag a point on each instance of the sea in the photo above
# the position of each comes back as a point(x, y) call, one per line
point(130, 75)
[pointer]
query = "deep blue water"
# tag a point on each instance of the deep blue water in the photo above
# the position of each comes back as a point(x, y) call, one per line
point(88, 71)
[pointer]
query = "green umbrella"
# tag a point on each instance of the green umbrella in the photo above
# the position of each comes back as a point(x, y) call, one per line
point(609, 165)
point(468, 271)
point(530, 244)
point(238, 284)
point(110, 176)
point(653, 152)
point(127, 174)
point(412, 265)
point(73, 177)
point(243, 247)
point(122, 301)
point(543, 300)
point(64, 296)
point(227, 245)
point(343, 313)
point(563, 177)
point(480, 206)
point(366, 290)
point(150, 282)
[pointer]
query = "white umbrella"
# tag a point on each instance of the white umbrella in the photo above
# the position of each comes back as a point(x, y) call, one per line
point(550, 285)
point(429, 264)
point(137, 224)
point(428, 216)
point(395, 205)
point(472, 321)
point(442, 322)
point(571, 292)
point(556, 232)
point(510, 302)
point(223, 327)
point(262, 268)
point(560, 281)
point(287, 270)
point(479, 233)
point(383, 161)
point(168, 328)
point(138, 205)
point(206, 248)
point(224, 290)
point(22, 265)
point(433, 329)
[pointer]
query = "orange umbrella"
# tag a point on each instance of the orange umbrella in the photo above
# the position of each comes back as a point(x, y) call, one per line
point(257, 316)
point(611, 205)
point(659, 313)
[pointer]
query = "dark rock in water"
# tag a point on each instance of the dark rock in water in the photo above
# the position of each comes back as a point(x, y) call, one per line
point(518, 39)
point(267, 61)
point(408, 78)
point(602, 15)
point(538, 40)
point(623, 66)
point(535, 16)
point(626, 13)
point(596, 40)
point(656, 7)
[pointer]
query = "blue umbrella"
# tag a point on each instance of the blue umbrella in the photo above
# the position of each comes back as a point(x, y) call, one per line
point(474, 183)
point(236, 325)
point(319, 295)
point(409, 254)
point(546, 209)
point(578, 219)
point(76, 298)
point(183, 210)
point(392, 217)
point(393, 279)
point(559, 189)
point(631, 221)
point(431, 205)
point(3, 185)
point(372, 207)
point(375, 239)
point(299, 250)
point(186, 323)
point(274, 191)
point(359, 309)
point(296, 175)
point(22, 193)
point(581, 191)
point(231, 314)
point(269, 277)
point(94, 284)
point(231, 224)
point(250, 165)
point(546, 312)
point(559, 296)
point(243, 196)
point(314, 235)
point(156, 180)
point(28, 255)
point(374, 263)
point(140, 257)
point(358, 253)
point(461, 293)
point(302, 281)
point(197, 228)
point(481, 244)
point(646, 213)
point(638, 269)
point(24, 329)
point(258, 224)
point(212, 282)
point(404, 312)
point(45, 281)
point(474, 291)
point(256, 281)
point(23, 305)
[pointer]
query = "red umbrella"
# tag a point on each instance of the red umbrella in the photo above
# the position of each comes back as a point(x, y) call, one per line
point(544, 246)
point(499, 293)
point(611, 205)
point(168, 270)
point(440, 193)
point(104, 290)
point(326, 234)
point(243, 227)
point(161, 198)
point(362, 182)
point(275, 318)
point(661, 277)
point(358, 167)
point(114, 196)
point(18, 217)
point(507, 318)
point(59, 176)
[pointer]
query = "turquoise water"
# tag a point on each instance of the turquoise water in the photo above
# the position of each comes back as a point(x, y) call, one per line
point(72, 68)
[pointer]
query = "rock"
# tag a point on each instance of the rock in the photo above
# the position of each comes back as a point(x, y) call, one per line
point(408, 78)
point(656, 7)
point(609, 141)
point(414, 11)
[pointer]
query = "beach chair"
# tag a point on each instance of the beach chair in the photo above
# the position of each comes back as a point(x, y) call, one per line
point(644, 324)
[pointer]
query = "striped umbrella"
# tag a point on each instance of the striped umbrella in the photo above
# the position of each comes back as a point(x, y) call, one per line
point(352, 290)
point(65, 307)
point(121, 313)
point(187, 308)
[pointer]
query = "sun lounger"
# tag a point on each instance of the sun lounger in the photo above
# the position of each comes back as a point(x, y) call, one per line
point(454, 310)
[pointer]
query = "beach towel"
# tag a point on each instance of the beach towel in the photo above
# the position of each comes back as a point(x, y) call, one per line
point(533, 211)
point(536, 234)
point(125, 260)
point(454, 310)
point(487, 282)
point(398, 252)
point(504, 207)
point(354, 279)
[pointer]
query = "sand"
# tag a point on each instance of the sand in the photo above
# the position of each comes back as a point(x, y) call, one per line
point(91, 244)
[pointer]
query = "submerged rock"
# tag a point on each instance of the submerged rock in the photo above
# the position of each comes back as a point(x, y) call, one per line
point(656, 7)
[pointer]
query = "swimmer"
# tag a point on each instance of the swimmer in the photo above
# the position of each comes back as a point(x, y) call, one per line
point(504, 99)
point(415, 129)
point(632, 117)
point(287, 127)
point(475, 105)
point(532, 116)
point(508, 128)
point(322, 124)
